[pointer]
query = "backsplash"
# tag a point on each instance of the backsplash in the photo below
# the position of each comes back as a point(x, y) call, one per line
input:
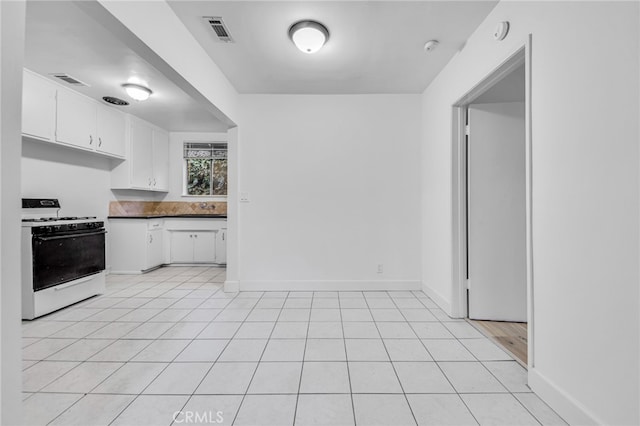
point(150, 208)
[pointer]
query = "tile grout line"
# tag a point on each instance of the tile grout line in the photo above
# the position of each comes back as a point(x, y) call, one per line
point(156, 376)
point(344, 338)
point(391, 360)
point(304, 354)
point(440, 369)
point(170, 362)
point(119, 368)
point(190, 397)
point(259, 359)
point(198, 285)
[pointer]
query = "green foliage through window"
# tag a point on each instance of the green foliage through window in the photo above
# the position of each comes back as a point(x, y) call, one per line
point(206, 168)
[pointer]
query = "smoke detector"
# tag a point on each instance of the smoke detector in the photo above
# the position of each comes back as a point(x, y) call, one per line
point(430, 45)
point(501, 31)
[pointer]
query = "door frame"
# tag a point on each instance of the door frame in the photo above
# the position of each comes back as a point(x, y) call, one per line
point(459, 301)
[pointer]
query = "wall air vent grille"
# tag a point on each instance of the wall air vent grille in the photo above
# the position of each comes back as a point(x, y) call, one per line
point(69, 80)
point(218, 26)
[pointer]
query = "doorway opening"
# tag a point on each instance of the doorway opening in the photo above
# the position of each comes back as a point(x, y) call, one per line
point(492, 206)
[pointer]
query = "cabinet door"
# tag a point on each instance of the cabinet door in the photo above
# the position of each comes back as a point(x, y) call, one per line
point(38, 107)
point(141, 155)
point(154, 248)
point(182, 246)
point(111, 131)
point(160, 161)
point(221, 246)
point(204, 247)
point(75, 120)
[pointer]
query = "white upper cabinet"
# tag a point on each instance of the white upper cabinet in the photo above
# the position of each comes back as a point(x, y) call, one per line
point(160, 151)
point(38, 107)
point(147, 166)
point(56, 114)
point(53, 113)
point(111, 130)
point(76, 120)
point(141, 160)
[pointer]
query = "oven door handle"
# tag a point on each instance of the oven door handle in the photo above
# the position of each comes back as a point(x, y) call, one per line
point(59, 237)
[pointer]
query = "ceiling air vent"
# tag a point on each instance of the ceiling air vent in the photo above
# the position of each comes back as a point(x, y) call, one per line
point(219, 28)
point(69, 80)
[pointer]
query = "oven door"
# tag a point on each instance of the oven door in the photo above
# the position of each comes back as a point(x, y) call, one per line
point(60, 258)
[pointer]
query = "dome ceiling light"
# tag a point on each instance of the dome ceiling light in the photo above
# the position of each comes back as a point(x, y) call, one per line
point(137, 92)
point(308, 36)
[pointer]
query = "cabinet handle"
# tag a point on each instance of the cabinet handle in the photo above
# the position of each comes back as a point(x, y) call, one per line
point(149, 181)
point(90, 140)
point(196, 235)
point(223, 236)
point(99, 142)
point(150, 238)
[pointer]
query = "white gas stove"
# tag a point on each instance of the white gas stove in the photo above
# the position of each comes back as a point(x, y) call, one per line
point(63, 258)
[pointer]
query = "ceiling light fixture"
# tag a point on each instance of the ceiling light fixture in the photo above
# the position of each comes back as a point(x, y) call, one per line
point(137, 92)
point(308, 36)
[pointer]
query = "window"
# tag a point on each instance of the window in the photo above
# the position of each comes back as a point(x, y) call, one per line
point(205, 169)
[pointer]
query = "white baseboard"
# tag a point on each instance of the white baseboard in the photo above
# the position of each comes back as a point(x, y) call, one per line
point(231, 286)
point(353, 285)
point(438, 299)
point(567, 407)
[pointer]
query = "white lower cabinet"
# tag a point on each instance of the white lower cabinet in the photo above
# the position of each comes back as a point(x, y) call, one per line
point(197, 240)
point(221, 246)
point(193, 246)
point(154, 248)
point(135, 245)
point(138, 245)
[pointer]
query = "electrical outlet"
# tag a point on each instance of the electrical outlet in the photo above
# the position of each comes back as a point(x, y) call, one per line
point(380, 268)
point(244, 197)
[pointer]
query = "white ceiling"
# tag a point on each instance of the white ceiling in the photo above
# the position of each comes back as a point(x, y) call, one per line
point(61, 37)
point(374, 46)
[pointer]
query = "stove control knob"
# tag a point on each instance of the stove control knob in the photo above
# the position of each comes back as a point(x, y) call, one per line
point(73, 226)
point(47, 229)
point(56, 227)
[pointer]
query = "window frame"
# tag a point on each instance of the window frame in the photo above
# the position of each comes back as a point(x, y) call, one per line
point(184, 170)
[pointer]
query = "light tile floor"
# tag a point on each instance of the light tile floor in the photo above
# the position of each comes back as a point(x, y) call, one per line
point(170, 347)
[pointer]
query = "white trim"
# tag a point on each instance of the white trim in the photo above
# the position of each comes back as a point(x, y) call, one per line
point(231, 286)
point(529, 203)
point(439, 300)
point(567, 407)
point(458, 305)
point(338, 285)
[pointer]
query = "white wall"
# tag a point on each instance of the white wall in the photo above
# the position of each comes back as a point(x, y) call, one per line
point(176, 144)
point(585, 195)
point(11, 58)
point(334, 191)
point(81, 181)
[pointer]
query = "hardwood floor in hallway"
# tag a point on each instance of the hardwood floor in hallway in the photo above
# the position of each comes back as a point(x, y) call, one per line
point(511, 336)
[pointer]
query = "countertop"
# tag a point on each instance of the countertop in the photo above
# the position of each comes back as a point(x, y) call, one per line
point(164, 216)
